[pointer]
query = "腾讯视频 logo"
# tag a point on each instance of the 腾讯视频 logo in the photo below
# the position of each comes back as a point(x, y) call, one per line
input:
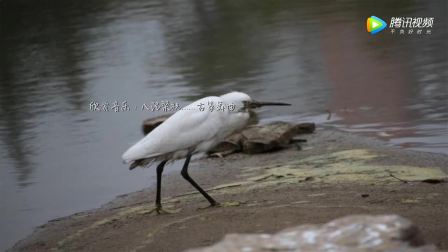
point(375, 25)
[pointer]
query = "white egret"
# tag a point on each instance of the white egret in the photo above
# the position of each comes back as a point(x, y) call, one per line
point(195, 128)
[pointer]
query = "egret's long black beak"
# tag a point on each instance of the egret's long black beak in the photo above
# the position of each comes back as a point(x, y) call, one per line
point(257, 104)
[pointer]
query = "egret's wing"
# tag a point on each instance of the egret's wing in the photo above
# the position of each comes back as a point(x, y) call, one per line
point(185, 129)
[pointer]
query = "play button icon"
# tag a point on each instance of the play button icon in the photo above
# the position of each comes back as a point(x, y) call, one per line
point(375, 25)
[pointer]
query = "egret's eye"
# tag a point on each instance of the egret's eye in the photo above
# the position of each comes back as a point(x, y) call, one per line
point(245, 107)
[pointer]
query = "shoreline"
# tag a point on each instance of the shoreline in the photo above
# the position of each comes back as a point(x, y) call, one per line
point(260, 193)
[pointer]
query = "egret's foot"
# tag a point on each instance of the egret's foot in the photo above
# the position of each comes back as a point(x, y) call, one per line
point(230, 204)
point(216, 204)
point(160, 210)
point(222, 154)
point(167, 211)
point(217, 154)
point(224, 204)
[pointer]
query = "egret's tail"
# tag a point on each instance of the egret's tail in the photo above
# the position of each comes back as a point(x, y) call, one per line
point(141, 162)
point(134, 165)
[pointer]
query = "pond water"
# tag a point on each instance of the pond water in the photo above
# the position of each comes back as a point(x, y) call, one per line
point(59, 57)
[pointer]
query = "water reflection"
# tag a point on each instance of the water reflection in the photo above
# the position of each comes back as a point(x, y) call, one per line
point(57, 157)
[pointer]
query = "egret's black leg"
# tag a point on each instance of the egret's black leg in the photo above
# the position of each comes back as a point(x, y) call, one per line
point(184, 174)
point(159, 185)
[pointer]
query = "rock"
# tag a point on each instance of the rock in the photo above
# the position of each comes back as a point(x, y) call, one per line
point(273, 136)
point(351, 233)
point(253, 139)
point(230, 145)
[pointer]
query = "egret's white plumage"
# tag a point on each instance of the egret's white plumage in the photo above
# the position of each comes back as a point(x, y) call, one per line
point(191, 130)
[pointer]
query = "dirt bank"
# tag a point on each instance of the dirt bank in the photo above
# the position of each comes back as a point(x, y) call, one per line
point(335, 174)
